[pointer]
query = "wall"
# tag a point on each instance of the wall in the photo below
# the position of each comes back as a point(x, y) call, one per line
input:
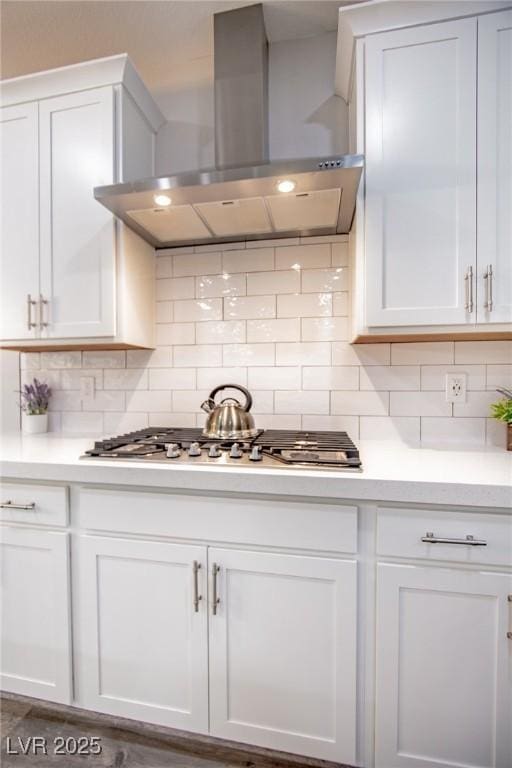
point(306, 118)
point(9, 390)
point(274, 315)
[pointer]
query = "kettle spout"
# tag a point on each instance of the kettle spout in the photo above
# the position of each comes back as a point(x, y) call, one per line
point(208, 405)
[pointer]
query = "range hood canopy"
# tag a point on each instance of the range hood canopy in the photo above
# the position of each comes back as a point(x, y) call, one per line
point(240, 199)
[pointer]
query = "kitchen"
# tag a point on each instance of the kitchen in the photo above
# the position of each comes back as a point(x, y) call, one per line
point(273, 381)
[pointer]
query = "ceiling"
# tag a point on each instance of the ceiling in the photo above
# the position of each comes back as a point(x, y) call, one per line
point(170, 41)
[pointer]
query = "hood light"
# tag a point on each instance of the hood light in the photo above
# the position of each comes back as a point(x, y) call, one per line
point(286, 185)
point(162, 200)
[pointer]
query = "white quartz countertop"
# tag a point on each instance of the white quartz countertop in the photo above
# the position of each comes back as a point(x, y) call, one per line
point(392, 472)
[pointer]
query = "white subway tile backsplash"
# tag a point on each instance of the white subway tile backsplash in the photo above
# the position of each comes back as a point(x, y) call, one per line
point(125, 378)
point(175, 288)
point(499, 376)
point(273, 330)
point(175, 333)
point(209, 378)
point(304, 353)
point(67, 360)
point(261, 283)
point(463, 432)
point(328, 377)
point(172, 378)
point(423, 353)
point(340, 254)
point(197, 264)
point(198, 355)
point(324, 280)
point(274, 378)
point(293, 401)
point(274, 315)
point(360, 403)
point(252, 259)
point(221, 285)
point(404, 428)
point(149, 358)
point(104, 400)
point(248, 354)
point(308, 256)
point(100, 359)
point(433, 377)
point(249, 307)
point(198, 310)
point(397, 377)
point(361, 354)
point(146, 401)
point(305, 305)
point(496, 433)
point(419, 404)
point(221, 332)
point(490, 352)
point(325, 328)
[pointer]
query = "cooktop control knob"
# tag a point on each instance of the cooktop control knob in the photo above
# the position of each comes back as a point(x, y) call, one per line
point(173, 451)
point(235, 452)
point(194, 449)
point(214, 451)
point(255, 454)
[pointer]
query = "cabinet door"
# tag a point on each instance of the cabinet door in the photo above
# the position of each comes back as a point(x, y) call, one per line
point(420, 212)
point(443, 668)
point(77, 233)
point(283, 653)
point(142, 644)
point(495, 168)
point(35, 620)
point(19, 230)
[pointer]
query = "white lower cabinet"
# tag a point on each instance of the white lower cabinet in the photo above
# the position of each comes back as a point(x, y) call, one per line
point(35, 613)
point(443, 696)
point(283, 652)
point(142, 633)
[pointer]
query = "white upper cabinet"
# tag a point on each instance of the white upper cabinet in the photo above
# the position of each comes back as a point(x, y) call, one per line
point(421, 91)
point(495, 168)
point(70, 272)
point(77, 234)
point(19, 221)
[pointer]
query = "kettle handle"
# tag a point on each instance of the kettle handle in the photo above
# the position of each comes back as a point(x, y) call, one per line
point(243, 390)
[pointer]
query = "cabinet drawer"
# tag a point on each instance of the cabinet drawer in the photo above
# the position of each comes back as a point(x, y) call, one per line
point(34, 504)
point(400, 533)
point(311, 526)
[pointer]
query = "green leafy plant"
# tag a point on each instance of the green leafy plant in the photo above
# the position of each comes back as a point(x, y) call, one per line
point(502, 410)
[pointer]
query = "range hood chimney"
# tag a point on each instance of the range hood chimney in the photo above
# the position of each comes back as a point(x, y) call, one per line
point(245, 196)
point(241, 87)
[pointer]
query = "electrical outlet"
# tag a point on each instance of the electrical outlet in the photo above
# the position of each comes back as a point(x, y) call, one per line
point(86, 387)
point(456, 385)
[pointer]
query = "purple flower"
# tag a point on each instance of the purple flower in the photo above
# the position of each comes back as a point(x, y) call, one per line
point(35, 397)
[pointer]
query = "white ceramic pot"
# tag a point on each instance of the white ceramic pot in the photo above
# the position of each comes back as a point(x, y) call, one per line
point(33, 424)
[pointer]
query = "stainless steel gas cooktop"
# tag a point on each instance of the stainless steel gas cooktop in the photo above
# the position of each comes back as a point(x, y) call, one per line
point(269, 448)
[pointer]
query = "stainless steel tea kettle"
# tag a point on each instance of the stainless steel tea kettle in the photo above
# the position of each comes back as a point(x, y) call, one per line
point(229, 420)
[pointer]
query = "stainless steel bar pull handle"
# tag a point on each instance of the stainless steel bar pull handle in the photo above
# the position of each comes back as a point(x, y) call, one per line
point(215, 597)
point(12, 505)
point(42, 303)
point(509, 634)
point(197, 597)
point(488, 277)
point(430, 538)
point(468, 282)
point(30, 303)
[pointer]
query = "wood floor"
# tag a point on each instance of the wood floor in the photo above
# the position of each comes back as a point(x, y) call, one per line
point(123, 744)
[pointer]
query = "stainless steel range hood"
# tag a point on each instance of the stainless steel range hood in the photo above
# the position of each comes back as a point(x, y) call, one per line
point(240, 198)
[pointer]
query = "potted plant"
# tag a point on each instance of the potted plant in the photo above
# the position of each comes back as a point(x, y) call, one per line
point(35, 399)
point(502, 411)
